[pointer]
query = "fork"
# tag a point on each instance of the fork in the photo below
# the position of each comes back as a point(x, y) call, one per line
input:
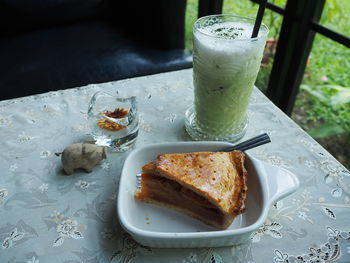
point(249, 144)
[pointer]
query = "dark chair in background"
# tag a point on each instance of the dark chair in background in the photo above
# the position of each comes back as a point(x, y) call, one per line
point(51, 45)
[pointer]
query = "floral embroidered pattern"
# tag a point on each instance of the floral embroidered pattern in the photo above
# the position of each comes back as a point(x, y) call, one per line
point(192, 257)
point(12, 238)
point(84, 184)
point(300, 207)
point(273, 159)
point(15, 234)
point(45, 154)
point(5, 122)
point(129, 250)
point(328, 252)
point(23, 138)
point(329, 212)
point(309, 163)
point(33, 260)
point(300, 228)
point(105, 165)
point(143, 124)
point(269, 132)
point(314, 148)
point(108, 234)
point(13, 167)
point(43, 188)
point(65, 227)
point(216, 258)
point(171, 117)
point(272, 230)
point(160, 108)
point(337, 192)
point(302, 215)
point(336, 172)
point(3, 194)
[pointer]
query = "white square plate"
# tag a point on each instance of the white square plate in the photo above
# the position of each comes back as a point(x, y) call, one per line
point(156, 226)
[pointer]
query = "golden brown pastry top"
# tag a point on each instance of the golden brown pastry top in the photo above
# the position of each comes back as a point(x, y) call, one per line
point(218, 176)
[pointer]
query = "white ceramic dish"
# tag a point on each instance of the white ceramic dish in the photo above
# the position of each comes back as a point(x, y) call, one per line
point(156, 226)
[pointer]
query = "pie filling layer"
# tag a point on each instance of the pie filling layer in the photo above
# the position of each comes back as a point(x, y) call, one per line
point(158, 189)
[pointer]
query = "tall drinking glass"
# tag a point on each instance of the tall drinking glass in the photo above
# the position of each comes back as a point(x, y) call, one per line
point(226, 61)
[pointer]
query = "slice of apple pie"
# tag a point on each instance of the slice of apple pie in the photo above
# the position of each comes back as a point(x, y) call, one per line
point(209, 186)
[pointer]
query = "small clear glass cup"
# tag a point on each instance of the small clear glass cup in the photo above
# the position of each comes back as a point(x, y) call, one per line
point(226, 61)
point(113, 120)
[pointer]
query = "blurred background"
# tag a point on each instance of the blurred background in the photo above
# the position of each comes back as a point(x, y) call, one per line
point(52, 45)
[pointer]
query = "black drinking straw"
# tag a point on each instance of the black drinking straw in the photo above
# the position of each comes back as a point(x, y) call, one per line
point(259, 17)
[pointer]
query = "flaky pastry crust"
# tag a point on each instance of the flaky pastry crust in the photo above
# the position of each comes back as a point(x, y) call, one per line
point(219, 178)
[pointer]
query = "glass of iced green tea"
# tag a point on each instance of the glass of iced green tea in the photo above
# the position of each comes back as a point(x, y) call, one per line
point(226, 61)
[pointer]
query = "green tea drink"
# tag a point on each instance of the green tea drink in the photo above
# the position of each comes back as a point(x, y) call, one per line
point(226, 61)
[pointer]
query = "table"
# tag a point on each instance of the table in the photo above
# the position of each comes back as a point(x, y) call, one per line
point(49, 217)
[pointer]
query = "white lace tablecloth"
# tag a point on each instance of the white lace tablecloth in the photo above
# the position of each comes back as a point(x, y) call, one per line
point(48, 217)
